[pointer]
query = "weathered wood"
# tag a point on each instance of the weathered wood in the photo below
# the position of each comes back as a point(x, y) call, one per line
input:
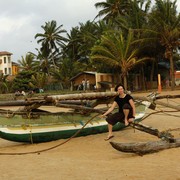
point(145, 128)
point(101, 97)
point(77, 107)
point(168, 105)
point(153, 101)
point(14, 103)
point(81, 96)
point(142, 148)
point(21, 102)
point(74, 102)
point(168, 96)
point(163, 135)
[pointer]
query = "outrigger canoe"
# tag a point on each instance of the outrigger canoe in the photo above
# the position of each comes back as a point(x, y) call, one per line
point(37, 127)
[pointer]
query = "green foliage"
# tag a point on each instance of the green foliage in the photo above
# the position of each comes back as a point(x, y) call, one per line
point(128, 33)
point(3, 83)
point(51, 40)
point(27, 63)
point(38, 80)
point(22, 80)
point(118, 52)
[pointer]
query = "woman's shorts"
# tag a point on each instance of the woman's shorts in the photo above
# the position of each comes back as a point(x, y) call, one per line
point(119, 116)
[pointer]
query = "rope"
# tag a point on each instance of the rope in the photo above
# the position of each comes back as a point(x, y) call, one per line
point(161, 111)
point(53, 147)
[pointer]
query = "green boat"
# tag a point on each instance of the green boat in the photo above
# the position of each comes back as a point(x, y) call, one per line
point(42, 126)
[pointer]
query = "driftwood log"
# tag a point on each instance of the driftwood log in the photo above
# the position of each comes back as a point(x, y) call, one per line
point(163, 135)
point(142, 148)
point(167, 141)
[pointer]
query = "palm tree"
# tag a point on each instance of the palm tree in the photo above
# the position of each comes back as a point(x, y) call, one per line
point(3, 83)
point(118, 52)
point(70, 50)
point(51, 41)
point(136, 18)
point(165, 24)
point(42, 63)
point(81, 40)
point(27, 62)
point(112, 8)
point(38, 80)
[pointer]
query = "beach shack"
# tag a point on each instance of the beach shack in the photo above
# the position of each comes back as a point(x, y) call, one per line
point(88, 80)
point(177, 78)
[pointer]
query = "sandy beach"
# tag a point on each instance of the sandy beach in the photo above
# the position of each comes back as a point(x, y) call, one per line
point(91, 158)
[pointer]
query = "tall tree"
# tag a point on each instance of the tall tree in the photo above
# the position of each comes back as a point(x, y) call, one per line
point(119, 52)
point(165, 23)
point(3, 83)
point(51, 40)
point(112, 9)
point(27, 62)
point(38, 80)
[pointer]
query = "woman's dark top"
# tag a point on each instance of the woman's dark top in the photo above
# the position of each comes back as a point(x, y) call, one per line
point(122, 101)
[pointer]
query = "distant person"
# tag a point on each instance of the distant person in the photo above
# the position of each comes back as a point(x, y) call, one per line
point(87, 84)
point(23, 93)
point(17, 93)
point(84, 84)
point(126, 112)
point(41, 90)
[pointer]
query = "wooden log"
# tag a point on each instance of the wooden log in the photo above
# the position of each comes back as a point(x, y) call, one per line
point(14, 103)
point(21, 102)
point(168, 105)
point(163, 135)
point(77, 107)
point(153, 101)
point(74, 102)
point(168, 96)
point(142, 148)
point(81, 96)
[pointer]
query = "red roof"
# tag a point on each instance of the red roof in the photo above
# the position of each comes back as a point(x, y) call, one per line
point(5, 53)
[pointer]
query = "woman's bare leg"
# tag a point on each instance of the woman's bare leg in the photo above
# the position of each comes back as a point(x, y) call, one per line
point(110, 135)
point(110, 127)
point(126, 113)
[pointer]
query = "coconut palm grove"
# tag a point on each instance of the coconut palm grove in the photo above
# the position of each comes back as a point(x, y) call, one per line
point(126, 37)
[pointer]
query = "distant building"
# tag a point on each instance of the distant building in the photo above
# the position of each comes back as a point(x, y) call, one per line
point(15, 68)
point(93, 81)
point(5, 63)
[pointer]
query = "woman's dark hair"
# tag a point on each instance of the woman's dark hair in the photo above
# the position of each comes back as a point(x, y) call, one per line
point(116, 88)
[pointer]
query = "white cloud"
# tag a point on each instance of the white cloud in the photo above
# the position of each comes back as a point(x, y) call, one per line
point(21, 20)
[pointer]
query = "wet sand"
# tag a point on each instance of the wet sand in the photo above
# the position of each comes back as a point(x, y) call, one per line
point(91, 158)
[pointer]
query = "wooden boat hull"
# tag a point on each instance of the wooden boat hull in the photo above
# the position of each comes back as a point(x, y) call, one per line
point(32, 131)
point(37, 134)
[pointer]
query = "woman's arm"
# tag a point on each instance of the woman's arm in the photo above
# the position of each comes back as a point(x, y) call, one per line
point(114, 104)
point(133, 106)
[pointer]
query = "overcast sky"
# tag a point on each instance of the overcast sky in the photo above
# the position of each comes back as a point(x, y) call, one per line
point(20, 20)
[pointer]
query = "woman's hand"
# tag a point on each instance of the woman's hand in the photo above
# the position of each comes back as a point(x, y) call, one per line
point(102, 116)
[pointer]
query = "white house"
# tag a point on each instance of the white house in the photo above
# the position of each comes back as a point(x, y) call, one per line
point(5, 63)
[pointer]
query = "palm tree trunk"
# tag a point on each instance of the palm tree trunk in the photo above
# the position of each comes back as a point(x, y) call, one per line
point(152, 74)
point(125, 81)
point(172, 72)
point(143, 80)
